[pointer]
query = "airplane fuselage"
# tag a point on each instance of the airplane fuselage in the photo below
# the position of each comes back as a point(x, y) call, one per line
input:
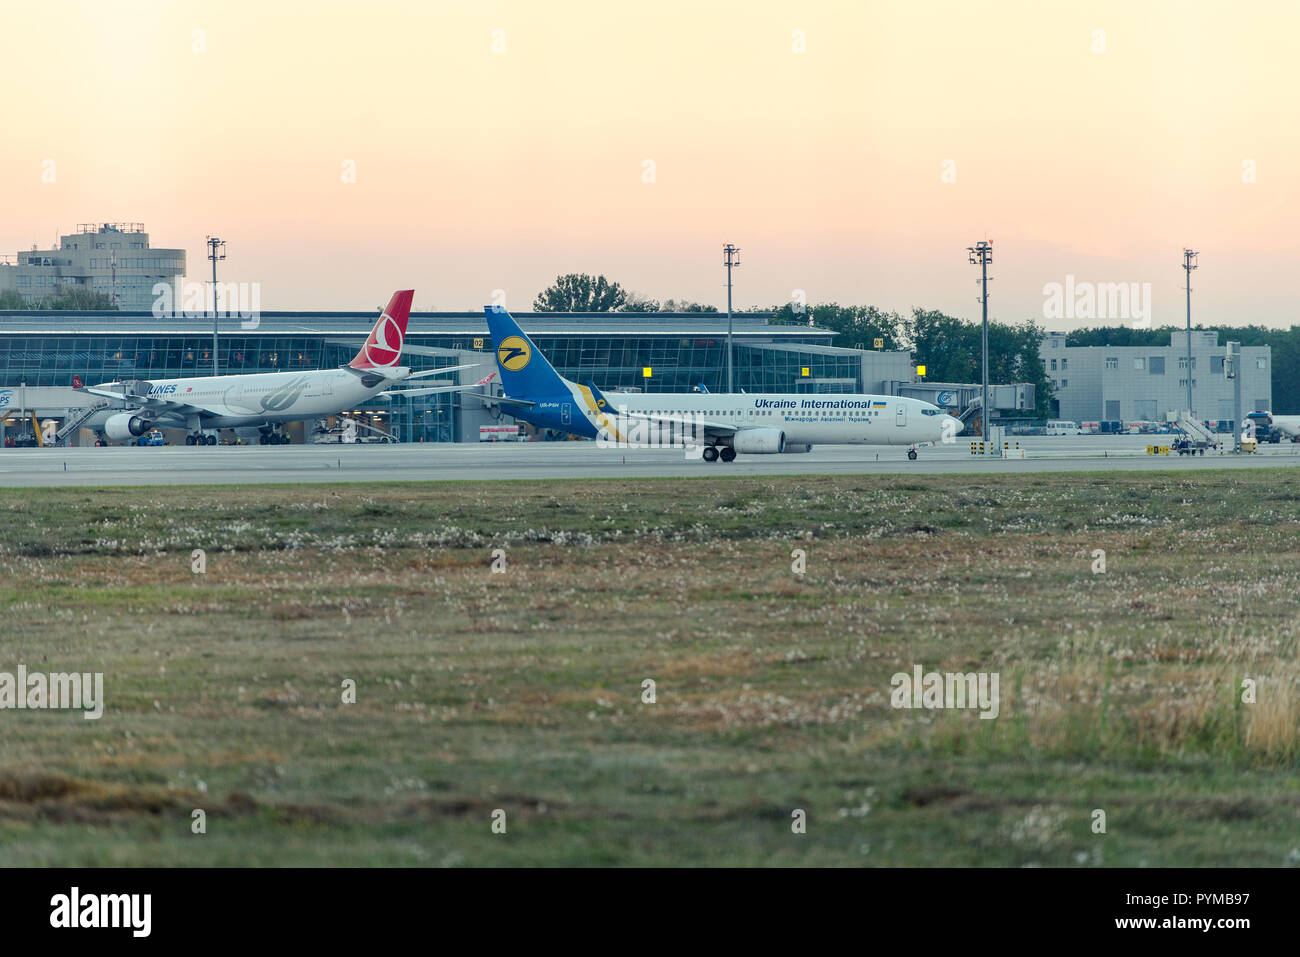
point(825, 419)
point(267, 398)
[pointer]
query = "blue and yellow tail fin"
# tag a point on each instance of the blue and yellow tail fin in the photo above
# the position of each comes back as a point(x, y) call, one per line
point(524, 370)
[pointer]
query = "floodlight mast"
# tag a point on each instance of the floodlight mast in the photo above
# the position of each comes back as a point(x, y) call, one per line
point(981, 254)
point(216, 251)
point(1189, 263)
point(733, 259)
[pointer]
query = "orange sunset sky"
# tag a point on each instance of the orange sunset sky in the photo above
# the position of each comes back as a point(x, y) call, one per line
point(1093, 154)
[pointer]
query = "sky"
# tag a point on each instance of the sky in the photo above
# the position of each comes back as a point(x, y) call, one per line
point(852, 150)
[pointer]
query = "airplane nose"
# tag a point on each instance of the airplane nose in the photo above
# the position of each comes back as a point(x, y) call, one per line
point(950, 428)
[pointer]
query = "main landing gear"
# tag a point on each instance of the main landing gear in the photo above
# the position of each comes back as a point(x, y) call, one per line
point(201, 438)
point(911, 454)
point(712, 453)
point(272, 437)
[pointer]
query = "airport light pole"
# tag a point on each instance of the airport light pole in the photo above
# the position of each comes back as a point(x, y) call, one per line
point(1189, 263)
point(733, 259)
point(981, 254)
point(1232, 369)
point(216, 250)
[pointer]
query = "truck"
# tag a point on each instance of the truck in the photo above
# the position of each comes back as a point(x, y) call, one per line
point(1260, 425)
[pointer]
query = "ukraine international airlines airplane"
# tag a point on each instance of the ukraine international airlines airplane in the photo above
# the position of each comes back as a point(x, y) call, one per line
point(723, 424)
point(264, 400)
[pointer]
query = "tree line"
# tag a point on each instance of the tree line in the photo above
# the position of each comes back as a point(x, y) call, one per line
point(69, 297)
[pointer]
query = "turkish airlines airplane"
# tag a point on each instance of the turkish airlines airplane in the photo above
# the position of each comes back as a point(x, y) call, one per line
point(757, 423)
point(265, 401)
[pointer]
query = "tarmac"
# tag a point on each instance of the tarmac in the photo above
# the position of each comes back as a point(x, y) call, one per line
point(250, 465)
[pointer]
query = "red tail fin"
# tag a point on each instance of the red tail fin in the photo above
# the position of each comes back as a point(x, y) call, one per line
point(383, 348)
point(77, 383)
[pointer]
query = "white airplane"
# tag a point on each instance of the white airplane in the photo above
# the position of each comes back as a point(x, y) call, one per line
point(724, 425)
point(265, 401)
point(1288, 425)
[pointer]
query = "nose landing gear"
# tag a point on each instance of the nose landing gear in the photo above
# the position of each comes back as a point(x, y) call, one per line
point(911, 454)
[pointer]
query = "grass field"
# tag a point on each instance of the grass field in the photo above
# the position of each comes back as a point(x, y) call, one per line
point(522, 690)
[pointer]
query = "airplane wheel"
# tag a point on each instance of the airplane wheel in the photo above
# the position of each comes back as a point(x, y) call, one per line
point(728, 454)
point(285, 440)
point(261, 439)
point(710, 453)
point(189, 440)
point(911, 454)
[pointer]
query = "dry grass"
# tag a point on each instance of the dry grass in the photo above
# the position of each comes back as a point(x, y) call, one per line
point(522, 691)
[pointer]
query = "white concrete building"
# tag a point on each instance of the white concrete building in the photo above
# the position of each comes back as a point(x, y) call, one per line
point(113, 258)
point(1149, 383)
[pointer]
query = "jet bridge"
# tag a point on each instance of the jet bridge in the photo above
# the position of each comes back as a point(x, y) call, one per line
point(958, 396)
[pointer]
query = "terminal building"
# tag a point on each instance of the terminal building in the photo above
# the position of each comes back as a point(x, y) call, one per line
point(1149, 383)
point(41, 351)
point(113, 258)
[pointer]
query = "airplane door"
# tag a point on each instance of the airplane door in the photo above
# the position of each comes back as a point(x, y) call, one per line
point(566, 413)
point(901, 419)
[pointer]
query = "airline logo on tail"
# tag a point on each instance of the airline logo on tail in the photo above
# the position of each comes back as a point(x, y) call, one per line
point(514, 353)
point(383, 348)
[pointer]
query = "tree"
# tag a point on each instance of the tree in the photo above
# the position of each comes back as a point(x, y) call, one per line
point(639, 303)
point(682, 305)
point(75, 298)
point(69, 297)
point(952, 350)
point(860, 326)
point(578, 292)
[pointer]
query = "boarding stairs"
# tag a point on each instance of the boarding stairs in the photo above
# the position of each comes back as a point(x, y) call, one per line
point(74, 423)
point(1197, 433)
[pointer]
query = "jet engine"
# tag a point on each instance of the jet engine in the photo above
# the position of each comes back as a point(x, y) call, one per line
point(125, 426)
point(758, 441)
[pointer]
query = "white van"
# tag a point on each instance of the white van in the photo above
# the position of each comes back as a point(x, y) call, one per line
point(1063, 427)
point(502, 433)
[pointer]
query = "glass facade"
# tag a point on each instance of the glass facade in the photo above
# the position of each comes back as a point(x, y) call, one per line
point(680, 364)
point(767, 358)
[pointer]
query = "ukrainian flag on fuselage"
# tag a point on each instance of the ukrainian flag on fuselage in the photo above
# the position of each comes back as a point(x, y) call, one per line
point(525, 373)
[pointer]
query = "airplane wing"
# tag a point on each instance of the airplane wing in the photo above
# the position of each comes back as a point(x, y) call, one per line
point(151, 403)
point(443, 388)
point(431, 389)
point(429, 372)
point(407, 348)
point(719, 429)
point(503, 400)
point(106, 393)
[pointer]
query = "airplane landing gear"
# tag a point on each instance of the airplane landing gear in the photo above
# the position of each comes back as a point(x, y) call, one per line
point(272, 437)
point(911, 454)
point(714, 452)
point(201, 438)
